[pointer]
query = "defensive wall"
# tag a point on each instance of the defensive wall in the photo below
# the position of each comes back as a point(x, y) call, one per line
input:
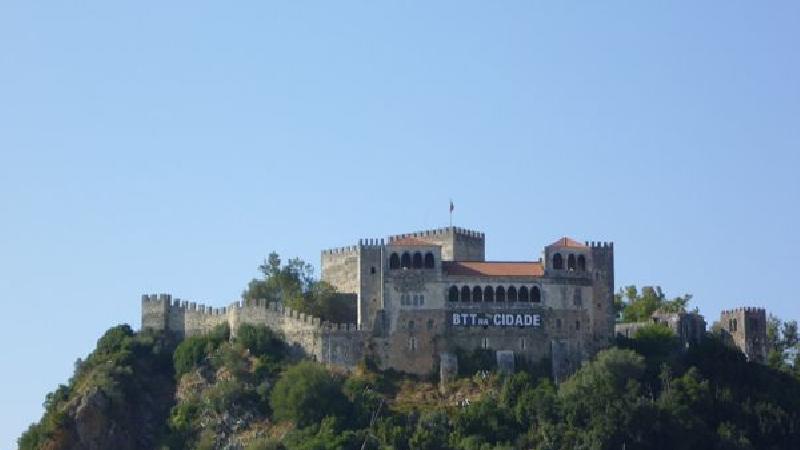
point(338, 344)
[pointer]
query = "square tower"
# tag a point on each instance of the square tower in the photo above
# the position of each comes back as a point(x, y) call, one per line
point(746, 328)
point(458, 244)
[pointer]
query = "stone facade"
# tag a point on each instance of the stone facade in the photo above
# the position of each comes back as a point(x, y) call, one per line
point(746, 328)
point(430, 293)
point(689, 328)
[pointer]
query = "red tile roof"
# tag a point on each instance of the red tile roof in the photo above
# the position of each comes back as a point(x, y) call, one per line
point(494, 269)
point(567, 242)
point(412, 242)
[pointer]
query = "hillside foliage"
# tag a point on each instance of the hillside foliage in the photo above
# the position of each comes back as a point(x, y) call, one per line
point(250, 392)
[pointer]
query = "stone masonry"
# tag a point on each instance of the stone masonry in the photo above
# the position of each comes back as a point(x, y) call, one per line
point(430, 293)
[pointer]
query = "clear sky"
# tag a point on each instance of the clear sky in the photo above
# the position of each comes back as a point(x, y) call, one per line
point(151, 147)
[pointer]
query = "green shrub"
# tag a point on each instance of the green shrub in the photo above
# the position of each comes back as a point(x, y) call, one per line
point(261, 341)
point(306, 393)
point(194, 350)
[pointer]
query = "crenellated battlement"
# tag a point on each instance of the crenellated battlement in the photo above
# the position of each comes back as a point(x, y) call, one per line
point(348, 249)
point(745, 309)
point(177, 308)
point(446, 231)
point(598, 244)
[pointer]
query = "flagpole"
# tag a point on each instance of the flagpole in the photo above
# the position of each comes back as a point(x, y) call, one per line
point(451, 213)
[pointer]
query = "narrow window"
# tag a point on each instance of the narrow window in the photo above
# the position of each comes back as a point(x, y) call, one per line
point(430, 324)
point(523, 294)
point(558, 262)
point(405, 261)
point(582, 263)
point(512, 294)
point(372, 270)
point(412, 343)
point(452, 294)
point(429, 260)
point(465, 293)
point(415, 300)
point(403, 299)
point(421, 299)
point(410, 325)
point(577, 325)
point(558, 324)
point(417, 261)
point(500, 294)
point(522, 343)
point(488, 294)
point(536, 295)
point(394, 261)
point(485, 343)
point(571, 262)
point(477, 294)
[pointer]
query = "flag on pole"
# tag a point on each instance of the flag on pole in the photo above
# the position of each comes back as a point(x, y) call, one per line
point(451, 206)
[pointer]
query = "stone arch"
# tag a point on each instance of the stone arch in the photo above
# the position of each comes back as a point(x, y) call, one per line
point(416, 260)
point(582, 263)
point(394, 261)
point(465, 293)
point(512, 294)
point(536, 295)
point(405, 261)
point(477, 294)
point(571, 264)
point(429, 262)
point(452, 294)
point(523, 294)
point(500, 294)
point(558, 262)
point(488, 294)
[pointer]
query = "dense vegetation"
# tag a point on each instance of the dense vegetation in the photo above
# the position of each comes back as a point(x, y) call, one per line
point(247, 393)
point(294, 284)
point(635, 306)
point(140, 391)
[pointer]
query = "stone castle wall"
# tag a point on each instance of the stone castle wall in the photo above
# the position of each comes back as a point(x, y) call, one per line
point(458, 244)
point(746, 328)
point(337, 344)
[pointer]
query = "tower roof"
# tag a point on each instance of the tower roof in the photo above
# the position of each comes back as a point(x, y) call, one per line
point(568, 242)
point(493, 268)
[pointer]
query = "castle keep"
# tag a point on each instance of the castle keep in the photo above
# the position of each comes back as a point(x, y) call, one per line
point(423, 296)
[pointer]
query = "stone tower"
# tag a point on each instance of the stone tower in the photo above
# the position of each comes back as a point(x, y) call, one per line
point(746, 328)
point(602, 263)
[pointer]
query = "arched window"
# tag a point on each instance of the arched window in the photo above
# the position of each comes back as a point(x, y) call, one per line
point(477, 294)
point(582, 263)
point(571, 262)
point(523, 294)
point(536, 295)
point(488, 294)
point(452, 294)
point(465, 293)
point(429, 260)
point(417, 261)
point(512, 294)
point(500, 294)
point(394, 261)
point(558, 262)
point(405, 261)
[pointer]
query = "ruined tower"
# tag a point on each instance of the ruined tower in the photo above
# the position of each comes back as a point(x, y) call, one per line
point(746, 328)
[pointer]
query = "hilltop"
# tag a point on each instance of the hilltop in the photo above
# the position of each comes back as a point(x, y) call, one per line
point(144, 390)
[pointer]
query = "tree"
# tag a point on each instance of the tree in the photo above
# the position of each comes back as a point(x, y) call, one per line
point(638, 307)
point(306, 393)
point(280, 282)
point(790, 333)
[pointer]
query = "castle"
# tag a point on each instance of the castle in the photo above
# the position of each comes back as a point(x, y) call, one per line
point(424, 296)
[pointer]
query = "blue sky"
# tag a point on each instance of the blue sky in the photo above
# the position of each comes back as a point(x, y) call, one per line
point(150, 147)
